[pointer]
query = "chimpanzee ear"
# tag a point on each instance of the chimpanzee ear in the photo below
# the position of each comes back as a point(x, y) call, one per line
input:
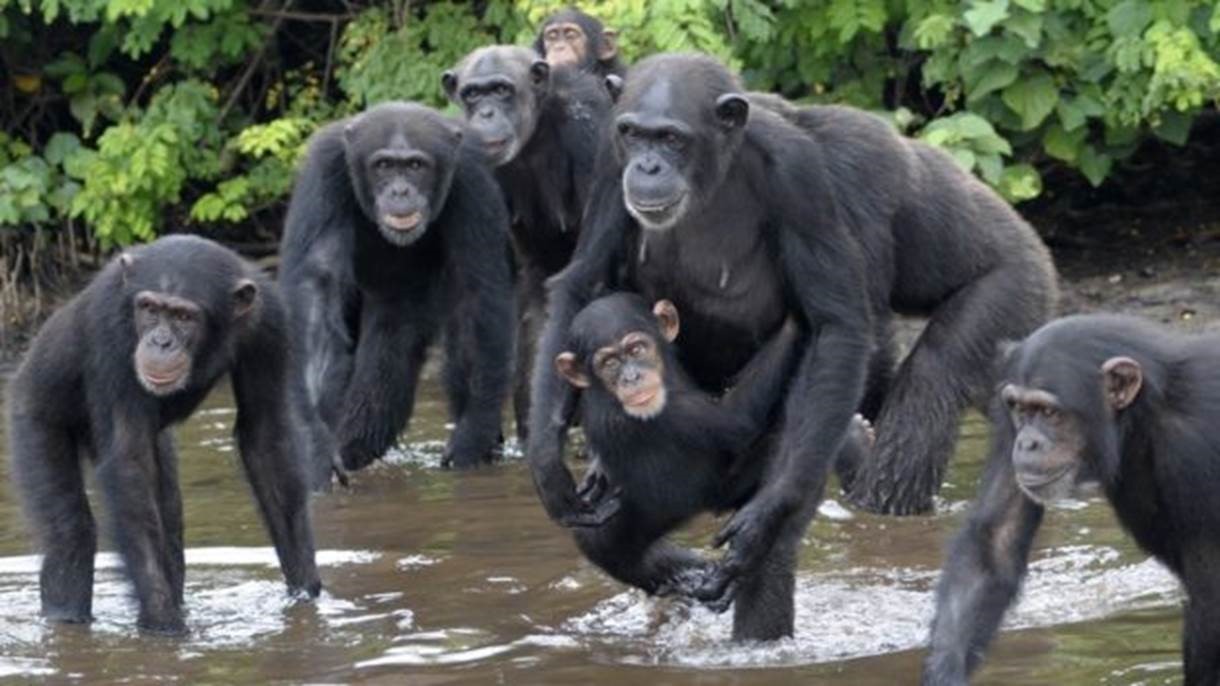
point(732, 110)
point(349, 129)
point(540, 71)
point(126, 259)
point(608, 50)
point(245, 296)
point(667, 319)
point(449, 81)
point(569, 369)
point(614, 86)
point(1123, 379)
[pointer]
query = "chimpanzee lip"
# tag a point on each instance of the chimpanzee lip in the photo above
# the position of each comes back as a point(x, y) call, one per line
point(641, 398)
point(660, 207)
point(402, 222)
point(165, 378)
point(1046, 480)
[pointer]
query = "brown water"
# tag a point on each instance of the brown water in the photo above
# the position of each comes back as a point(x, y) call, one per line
point(435, 577)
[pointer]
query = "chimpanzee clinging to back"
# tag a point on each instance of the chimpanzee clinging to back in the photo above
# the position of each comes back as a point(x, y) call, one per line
point(396, 231)
point(573, 38)
point(539, 127)
point(743, 218)
point(667, 448)
point(108, 376)
point(1093, 397)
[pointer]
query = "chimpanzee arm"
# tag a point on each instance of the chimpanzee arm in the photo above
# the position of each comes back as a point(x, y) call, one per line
point(381, 394)
point(1201, 628)
point(486, 326)
point(760, 384)
point(125, 439)
point(269, 441)
point(983, 573)
point(825, 270)
point(599, 246)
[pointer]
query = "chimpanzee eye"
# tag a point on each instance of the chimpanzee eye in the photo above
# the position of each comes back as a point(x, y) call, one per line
point(636, 349)
point(1050, 411)
point(501, 90)
point(672, 140)
point(182, 317)
point(382, 164)
point(625, 130)
point(611, 364)
point(415, 164)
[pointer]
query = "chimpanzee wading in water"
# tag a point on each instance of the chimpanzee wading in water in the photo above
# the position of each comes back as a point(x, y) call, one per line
point(395, 232)
point(539, 127)
point(105, 380)
point(743, 218)
point(1095, 397)
point(668, 449)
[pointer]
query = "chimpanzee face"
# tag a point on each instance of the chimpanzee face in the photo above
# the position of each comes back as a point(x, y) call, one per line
point(565, 43)
point(675, 139)
point(631, 368)
point(1051, 440)
point(500, 88)
point(401, 158)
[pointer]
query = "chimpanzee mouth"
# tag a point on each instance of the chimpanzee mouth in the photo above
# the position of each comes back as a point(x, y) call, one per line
point(640, 399)
point(402, 222)
point(1044, 481)
point(657, 214)
point(165, 380)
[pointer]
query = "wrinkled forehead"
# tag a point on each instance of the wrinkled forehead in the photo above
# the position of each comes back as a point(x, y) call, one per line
point(402, 130)
point(664, 97)
point(204, 285)
point(498, 61)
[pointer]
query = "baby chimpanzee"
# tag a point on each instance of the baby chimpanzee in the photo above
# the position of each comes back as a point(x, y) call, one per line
point(669, 449)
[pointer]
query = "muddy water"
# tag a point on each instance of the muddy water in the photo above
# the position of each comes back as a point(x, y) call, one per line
point(434, 577)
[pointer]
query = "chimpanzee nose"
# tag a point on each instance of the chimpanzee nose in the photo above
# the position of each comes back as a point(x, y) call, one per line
point(487, 113)
point(631, 375)
point(648, 165)
point(162, 339)
point(1029, 445)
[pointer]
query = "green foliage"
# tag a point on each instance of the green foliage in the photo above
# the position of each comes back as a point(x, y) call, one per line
point(130, 114)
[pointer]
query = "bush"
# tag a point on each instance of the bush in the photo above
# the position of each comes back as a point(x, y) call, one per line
point(197, 110)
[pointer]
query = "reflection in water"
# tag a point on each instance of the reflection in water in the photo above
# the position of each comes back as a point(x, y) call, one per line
point(459, 578)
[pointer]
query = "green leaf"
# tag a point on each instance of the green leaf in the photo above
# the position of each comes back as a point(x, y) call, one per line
point(984, 15)
point(1020, 182)
point(990, 167)
point(1064, 145)
point(1095, 165)
point(994, 76)
point(1214, 25)
point(1129, 18)
point(964, 158)
point(1173, 127)
point(1033, 98)
point(1027, 26)
point(59, 147)
point(1032, 5)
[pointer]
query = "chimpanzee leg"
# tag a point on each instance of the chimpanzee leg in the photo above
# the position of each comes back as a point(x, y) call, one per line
point(949, 367)
point(1201, 628)
point(531, 309)
point(169, 498)
point(47, 472)
point(128, 472)
point(633, 551)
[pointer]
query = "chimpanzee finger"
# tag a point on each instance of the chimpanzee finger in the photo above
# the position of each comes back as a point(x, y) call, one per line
point(727, 532)
point(725, 601)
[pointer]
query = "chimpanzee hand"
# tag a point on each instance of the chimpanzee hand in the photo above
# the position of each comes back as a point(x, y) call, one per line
point(750, 535)
point(570, 508)
point(595, 488)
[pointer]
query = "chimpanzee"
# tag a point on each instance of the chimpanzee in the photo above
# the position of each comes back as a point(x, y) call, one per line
point(571, 37)
point(668, 449)
point(539, 126)
point(106, 379)
point(1102, 398)
point(396, 230)
point(735, 214)
point(942, 245)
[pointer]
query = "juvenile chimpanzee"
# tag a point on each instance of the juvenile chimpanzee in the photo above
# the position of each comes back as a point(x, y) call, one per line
point(539, 126)
point(571, 37)
point(1093, 397)
point(395, 231)
point(744, 217)
point(105, 380)
point(668, 448)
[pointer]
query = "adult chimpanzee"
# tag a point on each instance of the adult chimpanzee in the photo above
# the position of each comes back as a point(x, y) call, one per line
point(735, 214)
point(573, 38)
point(108, 376)
point(940, 244)
point(1093, 397)
point(669, 449)
point(539, 127)
point(394, 231)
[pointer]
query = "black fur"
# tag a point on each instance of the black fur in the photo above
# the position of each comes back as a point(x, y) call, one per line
point(940, 244)
point(77, 396)
point(367, 310)
point(594, 31)
point(1158, 461)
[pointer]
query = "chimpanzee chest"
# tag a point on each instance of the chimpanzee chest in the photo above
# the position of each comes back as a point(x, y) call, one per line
point(727, 287)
